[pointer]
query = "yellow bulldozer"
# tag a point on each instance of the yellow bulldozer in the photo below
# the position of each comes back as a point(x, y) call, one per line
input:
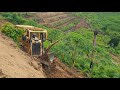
point(32, 42)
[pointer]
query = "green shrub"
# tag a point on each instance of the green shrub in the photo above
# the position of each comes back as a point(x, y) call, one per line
point(9, 30)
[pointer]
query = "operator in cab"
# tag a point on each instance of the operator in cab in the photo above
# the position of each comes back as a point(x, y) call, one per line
point(34, 37)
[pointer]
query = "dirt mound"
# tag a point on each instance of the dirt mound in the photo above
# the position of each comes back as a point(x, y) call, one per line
point(60, 70)
point(15, 63)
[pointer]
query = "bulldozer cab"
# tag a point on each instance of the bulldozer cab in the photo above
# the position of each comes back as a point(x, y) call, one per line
point(33, 39)
point(41, 35)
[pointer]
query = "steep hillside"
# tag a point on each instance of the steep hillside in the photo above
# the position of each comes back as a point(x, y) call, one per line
point(14, 63)
point(76, 49)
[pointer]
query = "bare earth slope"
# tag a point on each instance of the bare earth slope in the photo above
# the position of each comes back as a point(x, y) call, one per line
point(14, 63)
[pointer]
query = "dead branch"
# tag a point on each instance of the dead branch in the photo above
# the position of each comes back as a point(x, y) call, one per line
point(47, 50)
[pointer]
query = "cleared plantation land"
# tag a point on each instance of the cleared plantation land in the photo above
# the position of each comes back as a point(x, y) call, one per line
point(54, 19)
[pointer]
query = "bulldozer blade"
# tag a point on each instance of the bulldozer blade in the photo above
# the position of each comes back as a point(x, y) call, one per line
point(45, 63)
point(51, 57)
